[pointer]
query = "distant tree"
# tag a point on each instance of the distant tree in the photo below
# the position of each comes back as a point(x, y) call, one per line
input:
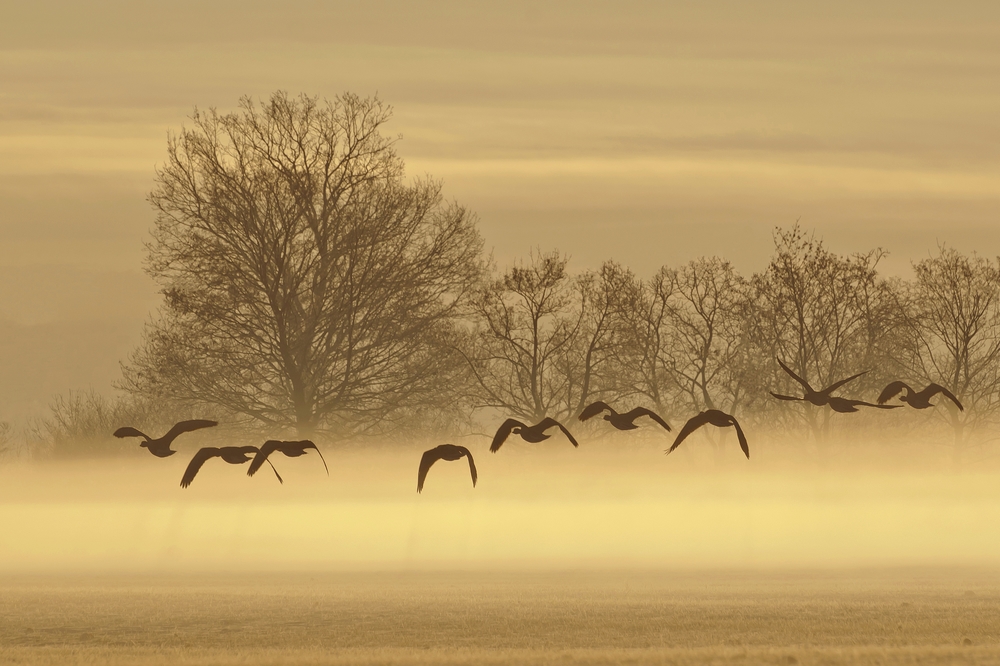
point(684, 350)
point(826, 316)
point(543, 338)
point(644, 357)
point(952, 337)
point(686, 340)
point(588, 363)
point(6, 435)
point(705, 335)
point(81, 423)
point(306, 283)
point(524, 319)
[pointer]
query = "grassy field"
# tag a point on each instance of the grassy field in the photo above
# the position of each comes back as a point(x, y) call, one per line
point(860, 617)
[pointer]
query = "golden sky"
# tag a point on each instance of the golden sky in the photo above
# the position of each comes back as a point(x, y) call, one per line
point(647, 132)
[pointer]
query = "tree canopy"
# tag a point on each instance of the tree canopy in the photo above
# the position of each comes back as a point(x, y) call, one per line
point(306, 282)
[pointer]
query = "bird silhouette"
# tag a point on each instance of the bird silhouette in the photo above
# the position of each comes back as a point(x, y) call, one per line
point(711, 417)
point(917, 399)
point(444, 452)
point(818, 398)
point(533, 434)
point(844, 405)
point(290, 449)
point(234, 455)
point(161, 447)
point(621, 421)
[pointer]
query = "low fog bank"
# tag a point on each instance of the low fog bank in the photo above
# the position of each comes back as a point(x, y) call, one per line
point(614, 503)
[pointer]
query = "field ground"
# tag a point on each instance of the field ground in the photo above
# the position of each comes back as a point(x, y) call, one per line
point(897, 616)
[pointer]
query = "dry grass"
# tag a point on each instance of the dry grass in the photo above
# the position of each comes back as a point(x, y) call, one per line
point(885, 617)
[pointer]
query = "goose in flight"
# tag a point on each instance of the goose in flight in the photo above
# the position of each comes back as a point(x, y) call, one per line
point(161, 447)
point(533, 434)
point(818, 398)
point(234, 455)
point(711, 417)
point(621, 421)
point(290, 449)
point(917, 399)
point(444, 452)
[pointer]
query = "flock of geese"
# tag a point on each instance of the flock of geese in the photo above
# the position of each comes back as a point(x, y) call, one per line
point(234, 455)
point(257, 456)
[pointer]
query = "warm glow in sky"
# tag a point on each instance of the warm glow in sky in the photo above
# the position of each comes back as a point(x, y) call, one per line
point(647, 132)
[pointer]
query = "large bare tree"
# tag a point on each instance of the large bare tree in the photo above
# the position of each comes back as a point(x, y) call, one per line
point(306, 282)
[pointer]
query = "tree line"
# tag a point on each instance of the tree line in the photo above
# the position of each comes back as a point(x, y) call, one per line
point(308, 285)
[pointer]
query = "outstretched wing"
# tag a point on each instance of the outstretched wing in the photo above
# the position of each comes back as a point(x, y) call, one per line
point(937, 388)
point(503, 432)
point(307, 444)
point(472, 464)
point(548, 422)
point(642, 411)
point(593, 409)
point(129, 431)
point(891, 390)
point(836, 385)
point(784, 397)
point(429, 458)
point(741, 436)
point(196, 462)
point(794, 376)
point(692, 424)
point(269, 447)
point(187, 426)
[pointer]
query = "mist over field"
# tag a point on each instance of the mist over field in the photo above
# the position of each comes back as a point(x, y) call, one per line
point(616, 504)
point(608, 553)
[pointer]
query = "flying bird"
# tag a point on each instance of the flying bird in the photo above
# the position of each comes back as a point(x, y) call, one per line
point(444, 452)
point(711, 417)
point(818, 398)
point(161, 447)
point(621, 421)
point(290, 449)
point(844, 406)
point(533, 434)
point(234, 455)
point(917, 399)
